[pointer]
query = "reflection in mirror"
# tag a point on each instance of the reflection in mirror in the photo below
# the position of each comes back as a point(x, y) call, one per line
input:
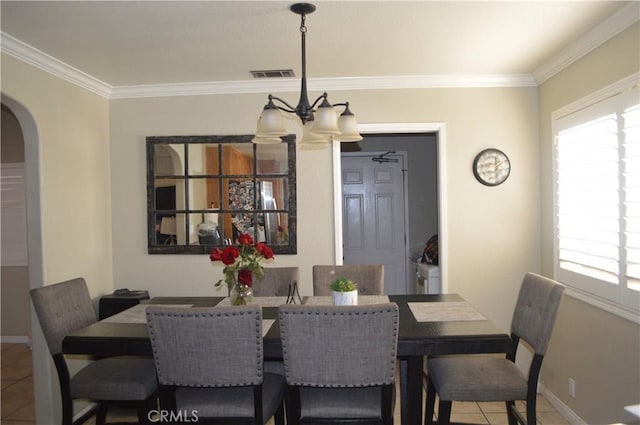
point(204, 191)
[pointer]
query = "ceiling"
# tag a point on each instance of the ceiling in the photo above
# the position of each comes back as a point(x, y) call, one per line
point(127, 43)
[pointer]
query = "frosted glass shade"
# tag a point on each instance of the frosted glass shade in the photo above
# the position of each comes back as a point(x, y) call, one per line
point(266, 140)
point(311, 138)
point(326, 120)
point(349, 128)
point(270, 124)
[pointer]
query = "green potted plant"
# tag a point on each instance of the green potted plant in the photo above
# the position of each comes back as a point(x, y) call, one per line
point(345, 292)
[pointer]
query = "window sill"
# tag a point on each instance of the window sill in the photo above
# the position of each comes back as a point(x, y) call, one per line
point(606, 305)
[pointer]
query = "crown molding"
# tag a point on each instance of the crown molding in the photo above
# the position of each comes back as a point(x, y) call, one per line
point(32, 56)
point(322, 84)
point(37, 58)
point(606, 30)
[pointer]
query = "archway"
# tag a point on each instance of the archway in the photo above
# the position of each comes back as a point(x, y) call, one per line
point(42, 373)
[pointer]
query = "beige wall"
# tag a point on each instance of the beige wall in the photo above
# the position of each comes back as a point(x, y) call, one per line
point(67, 140)
point(600, 351)
point(73, 130)
point(493, 232)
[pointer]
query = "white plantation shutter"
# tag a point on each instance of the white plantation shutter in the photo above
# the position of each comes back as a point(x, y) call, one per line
point(14, 215)
point(588, 199)
point(631, 132)
point(597, 198)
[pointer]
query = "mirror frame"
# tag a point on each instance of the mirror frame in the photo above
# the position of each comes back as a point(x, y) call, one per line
point(152, 141)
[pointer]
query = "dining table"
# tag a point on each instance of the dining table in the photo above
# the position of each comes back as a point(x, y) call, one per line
point(429, 325)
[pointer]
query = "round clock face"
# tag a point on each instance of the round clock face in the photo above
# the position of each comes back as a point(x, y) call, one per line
point(491, 167)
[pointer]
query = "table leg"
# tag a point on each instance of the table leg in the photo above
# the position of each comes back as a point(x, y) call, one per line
point(411, 390)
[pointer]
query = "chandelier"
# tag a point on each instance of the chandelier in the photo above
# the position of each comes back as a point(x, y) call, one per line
point(321, 124)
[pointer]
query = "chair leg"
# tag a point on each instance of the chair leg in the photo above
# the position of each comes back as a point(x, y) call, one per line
point(67, 411)
point(444, 412)
point(278, 418)
point(101, 414)
point(387, 405)
point(513, 420)
point(430, 403)
point(531, 408)
point(144, 408)
point(292, 402)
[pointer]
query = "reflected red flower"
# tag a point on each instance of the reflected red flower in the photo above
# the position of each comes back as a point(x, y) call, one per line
point(264, 250)
point(245, 239)
point(216, 254)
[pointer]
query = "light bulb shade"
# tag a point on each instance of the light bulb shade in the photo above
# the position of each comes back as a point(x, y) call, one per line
point(326, 119)
point(349, 128)
point(265, 140)
point(168, 226)
point(309, 137)
point(270, 123)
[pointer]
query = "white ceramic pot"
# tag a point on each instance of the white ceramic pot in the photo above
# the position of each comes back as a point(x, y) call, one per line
point(345, 298)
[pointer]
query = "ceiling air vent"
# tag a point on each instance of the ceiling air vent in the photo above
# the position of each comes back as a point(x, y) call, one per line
point(274, 73)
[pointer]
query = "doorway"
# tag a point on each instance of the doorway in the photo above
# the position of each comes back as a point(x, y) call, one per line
point(375, 214)
point(426, 194)
point(42, 373)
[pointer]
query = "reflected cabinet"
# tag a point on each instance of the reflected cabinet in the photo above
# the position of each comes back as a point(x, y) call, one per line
point(204, 191)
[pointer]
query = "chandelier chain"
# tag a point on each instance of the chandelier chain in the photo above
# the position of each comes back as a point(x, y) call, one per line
point(303, 27)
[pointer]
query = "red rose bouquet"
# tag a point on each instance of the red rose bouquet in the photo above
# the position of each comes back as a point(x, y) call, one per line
point(242, 263)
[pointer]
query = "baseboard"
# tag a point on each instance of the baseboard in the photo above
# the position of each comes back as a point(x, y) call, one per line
point(562, 408)
point(15, 339)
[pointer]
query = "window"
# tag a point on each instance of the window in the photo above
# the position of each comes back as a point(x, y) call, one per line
point(14, 215)
point(597, 198)
point(204, 191)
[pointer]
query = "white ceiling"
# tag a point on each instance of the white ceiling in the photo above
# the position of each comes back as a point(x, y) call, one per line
point(125, 43)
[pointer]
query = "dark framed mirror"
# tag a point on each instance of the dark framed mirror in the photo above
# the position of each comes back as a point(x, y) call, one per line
point(204, 191)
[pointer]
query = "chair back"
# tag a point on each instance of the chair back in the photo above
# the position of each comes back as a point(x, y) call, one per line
point(61, 309)
point(369, 277)
point(536, 310)
point(276, 282)
point(339, 346)
point(207, 347)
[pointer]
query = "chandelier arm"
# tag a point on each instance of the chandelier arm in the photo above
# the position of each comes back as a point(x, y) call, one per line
point(315, 102)
point(288, 107)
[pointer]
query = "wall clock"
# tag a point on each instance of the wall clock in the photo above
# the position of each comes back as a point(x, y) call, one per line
point(491, 167)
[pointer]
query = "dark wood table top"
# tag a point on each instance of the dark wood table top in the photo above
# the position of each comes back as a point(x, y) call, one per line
point(414, 338)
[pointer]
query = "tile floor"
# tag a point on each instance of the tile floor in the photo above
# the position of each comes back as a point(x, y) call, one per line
point(18, 406)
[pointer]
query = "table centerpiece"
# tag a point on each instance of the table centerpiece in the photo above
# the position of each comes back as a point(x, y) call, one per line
point(241, 265)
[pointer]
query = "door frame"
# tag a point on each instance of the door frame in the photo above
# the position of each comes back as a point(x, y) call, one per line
point(400, 128)
point(405, 189)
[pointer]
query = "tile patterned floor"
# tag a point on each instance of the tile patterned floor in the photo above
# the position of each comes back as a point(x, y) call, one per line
point(18, 405)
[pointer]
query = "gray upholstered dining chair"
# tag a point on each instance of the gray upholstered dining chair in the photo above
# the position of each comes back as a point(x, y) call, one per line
point(369, 277)
point(210, 361)
point(339, 362)
point(489, 378)
point(65, 307)
point(277, 281)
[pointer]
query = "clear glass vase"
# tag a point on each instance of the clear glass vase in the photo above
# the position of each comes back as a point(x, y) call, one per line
point(241, 294)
